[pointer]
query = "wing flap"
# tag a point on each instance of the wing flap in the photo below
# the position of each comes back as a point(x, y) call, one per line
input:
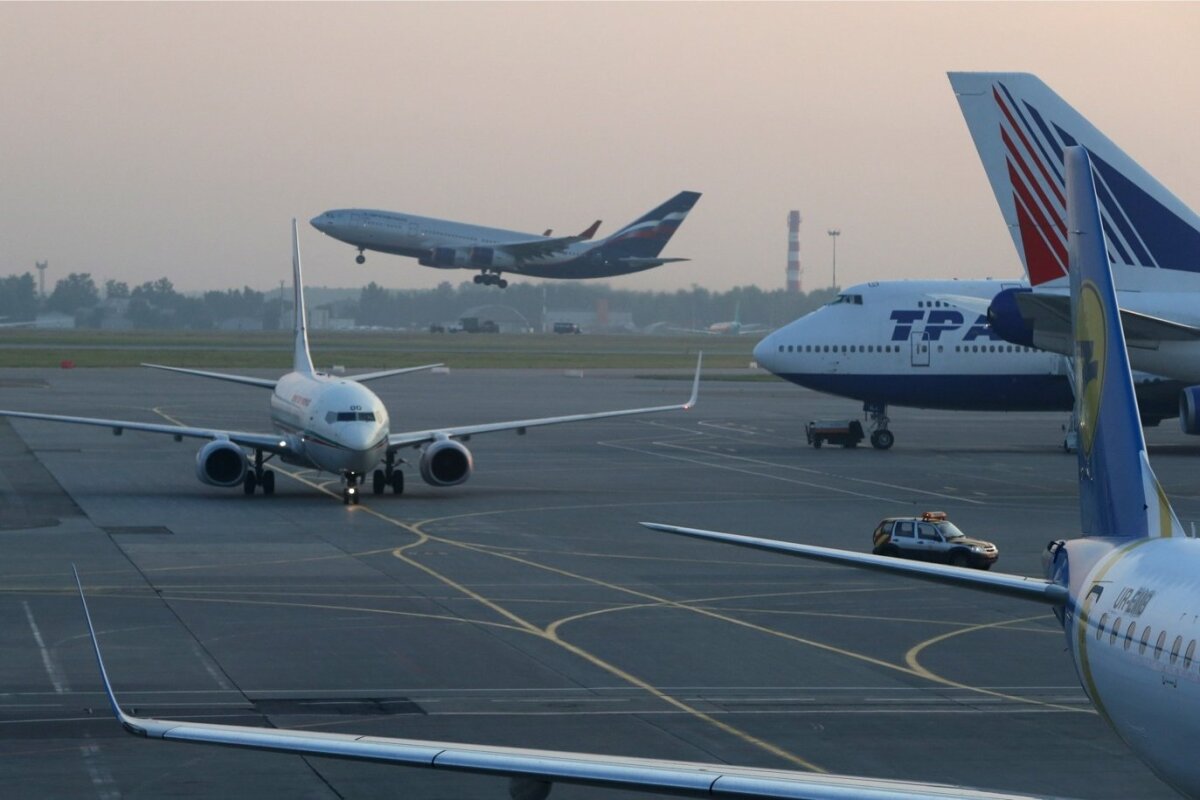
point(1017, 586)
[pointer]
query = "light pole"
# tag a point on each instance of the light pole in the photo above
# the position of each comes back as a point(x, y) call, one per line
point(834, 233)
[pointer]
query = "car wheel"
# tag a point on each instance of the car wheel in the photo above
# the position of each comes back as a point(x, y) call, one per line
point(958, 559)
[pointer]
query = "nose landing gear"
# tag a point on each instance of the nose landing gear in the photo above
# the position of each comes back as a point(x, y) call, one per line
point(350, 489)
point(360, 258)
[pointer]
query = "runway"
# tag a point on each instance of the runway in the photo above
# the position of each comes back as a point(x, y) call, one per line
point(527, 607)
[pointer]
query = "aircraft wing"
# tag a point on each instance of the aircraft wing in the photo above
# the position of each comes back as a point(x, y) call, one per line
point(531, 772)
point(264, 383)
point(416, 438)
point(537, 248)
point(268, 442)
point(637, 262)
point(1018, 586)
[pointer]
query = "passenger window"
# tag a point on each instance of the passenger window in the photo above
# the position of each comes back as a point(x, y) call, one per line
point(1129, 634)
point(1178, 643)
point(1189, 654)
point(1116, 629)
point(1145, 640)
point(904, 529)
point(330, 417)
point(1158, 645)
point(927, 533)
point(1101, 626)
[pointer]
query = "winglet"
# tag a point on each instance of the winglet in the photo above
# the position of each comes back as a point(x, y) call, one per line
point(301, 359)
point(1115, 499)
point(126, 721)
point(695, 384)
point(588, 232)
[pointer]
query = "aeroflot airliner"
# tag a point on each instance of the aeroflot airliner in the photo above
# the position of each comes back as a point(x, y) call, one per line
point(1020, 128)
point(898, 343)
point(493, 251)
point(332, 424)
point(1125, 594)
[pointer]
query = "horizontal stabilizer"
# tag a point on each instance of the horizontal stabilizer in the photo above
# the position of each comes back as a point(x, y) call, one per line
point(1017, 586)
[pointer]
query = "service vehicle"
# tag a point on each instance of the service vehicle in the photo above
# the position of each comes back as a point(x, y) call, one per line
point(932, 537)
point(846, 432)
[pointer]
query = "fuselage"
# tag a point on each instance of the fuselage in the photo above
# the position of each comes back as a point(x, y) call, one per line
point(897, 343)
point(341, 426)
point(1133, 630)
point(466, 246)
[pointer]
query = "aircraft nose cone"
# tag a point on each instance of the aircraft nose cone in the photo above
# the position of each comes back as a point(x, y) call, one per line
point(357, 436)
point(320, 222)
point(765, 352)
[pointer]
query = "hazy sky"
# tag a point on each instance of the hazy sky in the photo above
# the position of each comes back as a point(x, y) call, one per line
point(141, 140)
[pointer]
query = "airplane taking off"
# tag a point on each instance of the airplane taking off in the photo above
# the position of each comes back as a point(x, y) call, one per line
point(444, 244)
point(1134, 553)
point(331, 424)
point(896, 343)
point(1125, 592)
point(1020, 128)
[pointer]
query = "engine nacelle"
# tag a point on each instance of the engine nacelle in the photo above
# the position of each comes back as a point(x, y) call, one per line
point(446, 463)
point(221, 463)
point(467, 258)
point(1004, 315)
point(1189, 410)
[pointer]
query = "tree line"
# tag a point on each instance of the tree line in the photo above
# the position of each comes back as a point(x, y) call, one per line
point(157, 305)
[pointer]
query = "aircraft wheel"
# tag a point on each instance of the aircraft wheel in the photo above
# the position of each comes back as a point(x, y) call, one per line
point(816, 444)
point(249, 483)
point(882, 439)
point(346, 495)
point(478, 279)
point(503, 284)
point(378, 482)
point(268, 482)
point(398, 482)
point(360, 259)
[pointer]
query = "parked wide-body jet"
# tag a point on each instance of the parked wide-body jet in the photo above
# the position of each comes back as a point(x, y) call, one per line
point(898, 343)
point(1125, 594)
point(445, 244)
point(1021, 129)
point(333, 424)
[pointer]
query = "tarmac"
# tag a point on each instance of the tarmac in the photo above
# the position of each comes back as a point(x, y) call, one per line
point(527, 607)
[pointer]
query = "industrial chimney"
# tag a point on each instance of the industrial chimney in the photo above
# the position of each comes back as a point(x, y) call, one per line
point(793, 258)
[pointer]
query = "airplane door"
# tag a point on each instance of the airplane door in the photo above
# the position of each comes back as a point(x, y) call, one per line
point(919, 341)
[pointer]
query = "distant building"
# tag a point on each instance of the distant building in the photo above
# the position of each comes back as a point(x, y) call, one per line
point(54, 320)
point(241, 324)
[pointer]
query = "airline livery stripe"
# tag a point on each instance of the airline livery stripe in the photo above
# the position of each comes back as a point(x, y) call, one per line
point(1054, 243)
point(1025, 141)
point(1052, 211)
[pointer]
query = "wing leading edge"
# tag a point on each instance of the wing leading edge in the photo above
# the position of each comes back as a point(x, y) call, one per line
point(533, 772)
point(1018, 586)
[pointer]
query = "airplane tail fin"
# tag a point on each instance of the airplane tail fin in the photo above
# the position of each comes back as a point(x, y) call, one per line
point(301, 358)
point(1020, 128)
point(1119, 495)
point(647, 235)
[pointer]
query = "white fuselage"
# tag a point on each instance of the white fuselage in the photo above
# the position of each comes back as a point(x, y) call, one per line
point(1134, 639)
point(897, 343)
point(340, 426)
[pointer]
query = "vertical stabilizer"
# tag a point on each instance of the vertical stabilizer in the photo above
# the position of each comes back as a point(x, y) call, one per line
point(301, 360)
point(1118, 493)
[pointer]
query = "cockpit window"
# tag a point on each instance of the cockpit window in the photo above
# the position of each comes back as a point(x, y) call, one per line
point(852, 299)
point(350, 416)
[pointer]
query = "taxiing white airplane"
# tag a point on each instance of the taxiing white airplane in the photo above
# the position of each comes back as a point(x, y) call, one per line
point(1125, 594)
point(897, 343)
point(1021, 128)
point(445, 244)
point(733, 327)
point(333, 424)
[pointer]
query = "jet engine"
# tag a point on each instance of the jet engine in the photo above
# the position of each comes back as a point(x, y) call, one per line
point(467, 257)
point(1189, 410)
point(446, 463)
point(1005, 318)
point(221, 463)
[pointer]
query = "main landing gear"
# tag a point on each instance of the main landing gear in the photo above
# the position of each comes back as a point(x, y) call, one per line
point(388, 476)
point(259, 477)
point(491, 279)
point(360, 258)
point(877, 421)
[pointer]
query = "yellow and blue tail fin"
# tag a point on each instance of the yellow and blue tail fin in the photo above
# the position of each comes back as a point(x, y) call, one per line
point(1118, 494)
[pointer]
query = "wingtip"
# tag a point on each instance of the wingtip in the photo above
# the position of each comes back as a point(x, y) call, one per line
point(125, 721)
point(695, 383)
